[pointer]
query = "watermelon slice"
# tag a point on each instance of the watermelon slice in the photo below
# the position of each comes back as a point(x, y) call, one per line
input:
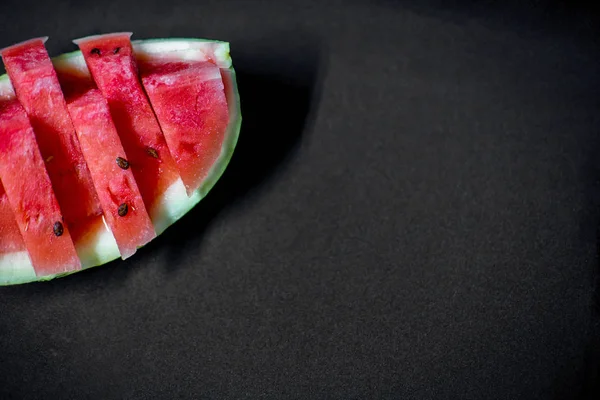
point(37, 88)
point(189, 101)
point(10, 237)
point(172, 203)
point(12, 248)
point(112, 64)
point(32, 200)
point(117, 189)
point(159, 52)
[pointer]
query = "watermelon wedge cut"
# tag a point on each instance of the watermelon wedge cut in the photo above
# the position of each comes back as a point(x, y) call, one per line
point(32, 200)
point(37, 88)
point(121, 201)
point(189, 101)
point(10, 237)
point(168, 205)
point(113, 67)
point(12, 248)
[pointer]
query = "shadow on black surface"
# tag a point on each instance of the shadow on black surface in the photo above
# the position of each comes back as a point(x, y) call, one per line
point(278, 96)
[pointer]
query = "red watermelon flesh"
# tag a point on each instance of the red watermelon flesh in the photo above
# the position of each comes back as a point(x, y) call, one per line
point(189, 101)
point(112, 64)
point(32, 200)
point(37, 88)
point(121, 200)
point(10, 237)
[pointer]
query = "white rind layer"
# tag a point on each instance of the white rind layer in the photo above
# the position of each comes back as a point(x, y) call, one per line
point(184, 50)
point(100, 248)
point(16, 268)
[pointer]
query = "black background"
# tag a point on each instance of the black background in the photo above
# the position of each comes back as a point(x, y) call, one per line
point(411, 212)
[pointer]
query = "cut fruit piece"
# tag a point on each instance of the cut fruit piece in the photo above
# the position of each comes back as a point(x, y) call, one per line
point(13, 253)
point(119, 195)
point(10, 237)
point(112, 64)
point(32, 200)
point(174, 202)
point(121, 200)
point(37, 89)
point(189, 101)
point(15, 264)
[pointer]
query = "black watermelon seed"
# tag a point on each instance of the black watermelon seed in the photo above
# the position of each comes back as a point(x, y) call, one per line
point(123, 208)
point(122, 163)
point(96, 51)
point(116, 50)
point(152, 152)
point(58, 228)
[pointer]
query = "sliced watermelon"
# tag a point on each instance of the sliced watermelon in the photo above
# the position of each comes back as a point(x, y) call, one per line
point(32, 200)
point(10, 237)
point(97, 244)
point(113, 66)
point(37, 88)
point(121, 200)
point(189, 101)
point(14, 258)
point(174, 202)
point(117, 189)
point(13, 253)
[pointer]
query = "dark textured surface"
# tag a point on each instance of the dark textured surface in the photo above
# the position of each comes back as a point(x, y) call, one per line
point(412, 212)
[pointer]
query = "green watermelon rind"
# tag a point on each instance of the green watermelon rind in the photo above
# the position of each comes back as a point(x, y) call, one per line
point(176, 209)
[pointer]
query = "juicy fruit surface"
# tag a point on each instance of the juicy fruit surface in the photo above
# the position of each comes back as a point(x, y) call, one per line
point(100, 246)
point(122, 203)
point(189, 101)
point(111, 172)
point(38, 90)
point(32, 200)
point(112, 64)
point(10, 237)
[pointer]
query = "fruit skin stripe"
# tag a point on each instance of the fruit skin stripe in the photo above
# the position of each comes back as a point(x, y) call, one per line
point(174, 204)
